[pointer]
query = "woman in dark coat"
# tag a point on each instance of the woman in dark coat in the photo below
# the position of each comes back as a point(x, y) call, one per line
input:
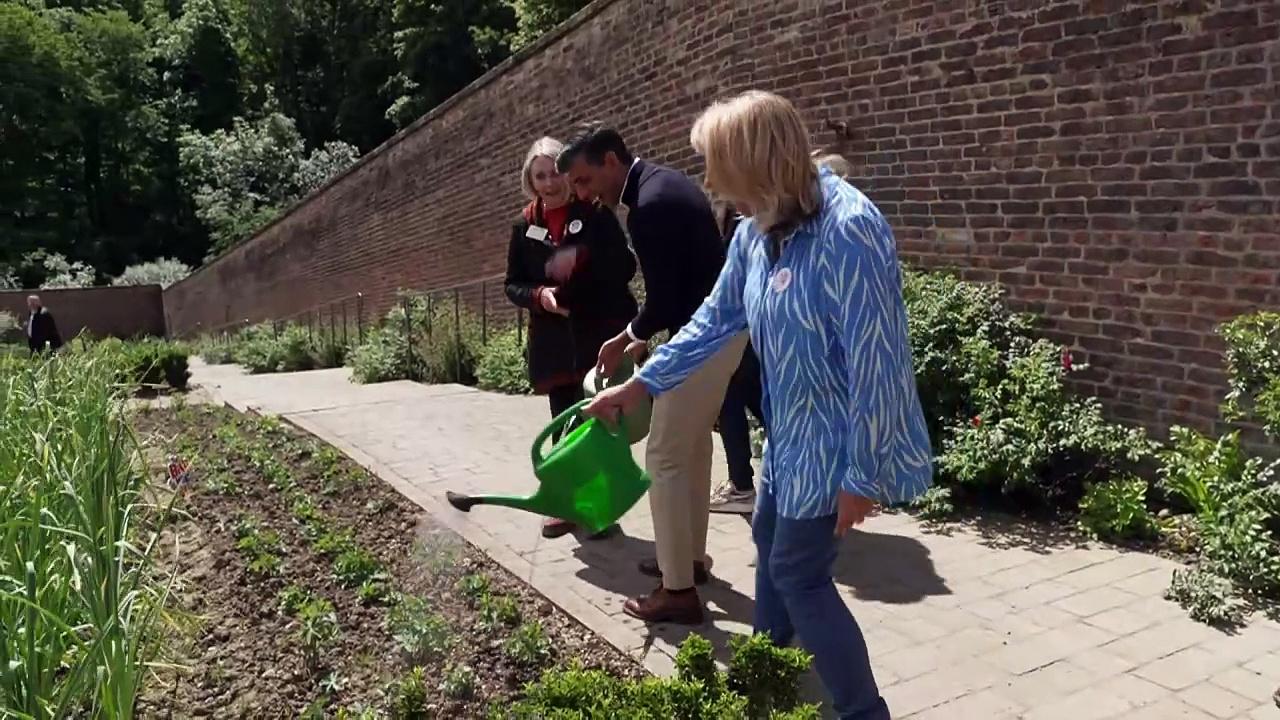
point(569, 265)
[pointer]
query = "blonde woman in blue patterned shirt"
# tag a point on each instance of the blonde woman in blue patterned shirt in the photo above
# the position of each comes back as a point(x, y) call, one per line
point(813, 274)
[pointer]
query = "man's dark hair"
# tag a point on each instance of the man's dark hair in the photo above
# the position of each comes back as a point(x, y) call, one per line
point(591, 142)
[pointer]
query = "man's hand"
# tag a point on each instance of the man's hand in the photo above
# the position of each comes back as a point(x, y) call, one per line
point(852, 510)
point(561, 264)
point(612, 403)
point(611, 355)
point(547, 299)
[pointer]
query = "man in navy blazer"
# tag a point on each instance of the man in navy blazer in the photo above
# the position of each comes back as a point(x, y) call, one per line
point(677, 241)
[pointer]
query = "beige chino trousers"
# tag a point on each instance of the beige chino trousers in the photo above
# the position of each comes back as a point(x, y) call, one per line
point(678, 459)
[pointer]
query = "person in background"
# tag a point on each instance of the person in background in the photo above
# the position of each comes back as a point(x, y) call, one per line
point(576, 302)
point(675, 236)
point(42, 331)
point(742, 395)
point(814, 274)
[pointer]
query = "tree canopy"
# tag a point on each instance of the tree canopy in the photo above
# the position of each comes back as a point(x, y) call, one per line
point(134, 130)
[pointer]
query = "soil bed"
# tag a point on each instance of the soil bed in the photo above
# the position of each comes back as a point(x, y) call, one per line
point(271, 519)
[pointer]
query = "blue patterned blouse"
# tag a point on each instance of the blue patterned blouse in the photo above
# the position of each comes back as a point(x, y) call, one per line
point(829, 324)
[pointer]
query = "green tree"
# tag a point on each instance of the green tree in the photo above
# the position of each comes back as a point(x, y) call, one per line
point(535, 18)
point(441, 47)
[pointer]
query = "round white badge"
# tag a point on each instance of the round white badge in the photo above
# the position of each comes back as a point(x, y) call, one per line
point(782, 280)
point(575, 226)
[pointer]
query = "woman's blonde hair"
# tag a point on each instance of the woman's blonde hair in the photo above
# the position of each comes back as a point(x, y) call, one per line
point(757, 153)
point(547, 147)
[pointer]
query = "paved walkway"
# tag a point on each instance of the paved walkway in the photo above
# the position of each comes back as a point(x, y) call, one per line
point(982, 622)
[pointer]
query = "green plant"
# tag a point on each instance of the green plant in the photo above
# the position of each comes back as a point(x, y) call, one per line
point(528, 645)
point(384, 356)
point(475, 588)
point(317, 630)
point(699, 692)
point(1237, 503)
point(1206, 597)
point(502, 366)
point(80, 601)
point(359, 713)
point(1116, 509)
point(1253, 369)
point(449, 343)
point(934, 504)
point(1034, 441)
point(459, 682)
point(422, 635)
point(216, 351)
point(155, 362)
point(331, 542)
point(767, 675)
point(371, 592)
point(496, 610)
point(291, 599)
point(409, 696)
point(961, 336)
point(355, 566)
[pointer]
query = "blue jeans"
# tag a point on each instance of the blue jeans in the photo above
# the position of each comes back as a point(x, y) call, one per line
point(795, 596)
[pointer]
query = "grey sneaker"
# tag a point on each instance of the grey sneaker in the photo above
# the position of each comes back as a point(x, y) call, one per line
point(738, 502)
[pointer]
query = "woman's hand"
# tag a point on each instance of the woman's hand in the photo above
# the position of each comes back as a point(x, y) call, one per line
point(547, 299)
point(614, 402)
point(561, 264)
point(852, 510)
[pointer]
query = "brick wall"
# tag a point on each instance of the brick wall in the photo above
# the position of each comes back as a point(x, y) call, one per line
point(1116, 164)
point(123, 312)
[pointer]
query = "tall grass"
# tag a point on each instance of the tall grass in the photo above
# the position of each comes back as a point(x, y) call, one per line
point(78, 600)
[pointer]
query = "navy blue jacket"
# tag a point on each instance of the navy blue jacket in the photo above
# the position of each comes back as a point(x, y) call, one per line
point(677, 241)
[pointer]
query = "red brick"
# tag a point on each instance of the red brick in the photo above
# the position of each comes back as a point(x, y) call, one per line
point(1084, 146)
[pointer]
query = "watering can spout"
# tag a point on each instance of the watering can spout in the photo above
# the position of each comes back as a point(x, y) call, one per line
point(588, 478)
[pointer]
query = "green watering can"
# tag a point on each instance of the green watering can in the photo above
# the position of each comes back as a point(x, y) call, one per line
point(636, 422)
point(588, 478)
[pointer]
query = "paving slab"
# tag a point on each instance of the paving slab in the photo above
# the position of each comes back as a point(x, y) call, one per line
point(990, 619)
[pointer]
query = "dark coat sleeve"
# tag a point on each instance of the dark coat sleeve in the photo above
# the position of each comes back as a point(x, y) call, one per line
point(519, 286)
point(657, 231)
point(55, 338)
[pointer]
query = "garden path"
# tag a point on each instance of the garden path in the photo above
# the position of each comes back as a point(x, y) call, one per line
point(983, 620)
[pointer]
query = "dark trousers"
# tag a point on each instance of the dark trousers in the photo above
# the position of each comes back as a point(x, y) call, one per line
point(742, 395)
point(796, 597)
point(562, 398)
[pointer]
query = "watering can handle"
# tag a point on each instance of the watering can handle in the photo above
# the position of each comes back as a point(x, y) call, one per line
point(557, 424)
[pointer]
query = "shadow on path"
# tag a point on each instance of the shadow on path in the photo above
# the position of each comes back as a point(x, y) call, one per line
point(610, 564)
point(887, 568)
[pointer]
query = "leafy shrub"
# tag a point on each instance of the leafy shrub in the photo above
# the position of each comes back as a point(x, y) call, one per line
point(1033, 439)
point(163, 272)
point(317, 630)
point(766, 675)
point(217, 352)
point(152, 361)
point(1237, 503)
point(934, 504)
point(1253, 369)
point(1206, 597)
point(265, 348)
point(409, 696)
point(449, 347)
point(1116, 509)
point(961, 334)
point(699, 692)
point(502, 366)
point(528, 645)
point(386, 354)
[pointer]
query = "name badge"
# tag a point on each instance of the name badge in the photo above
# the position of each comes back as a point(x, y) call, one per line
point(782, 280)
point(536, 233)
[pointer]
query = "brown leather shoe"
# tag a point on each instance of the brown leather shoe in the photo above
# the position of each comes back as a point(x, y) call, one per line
point(664, 606)
point(649, 566)
point(553, 528)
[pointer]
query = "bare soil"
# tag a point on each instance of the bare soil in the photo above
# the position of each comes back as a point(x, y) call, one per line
point(233, 652)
